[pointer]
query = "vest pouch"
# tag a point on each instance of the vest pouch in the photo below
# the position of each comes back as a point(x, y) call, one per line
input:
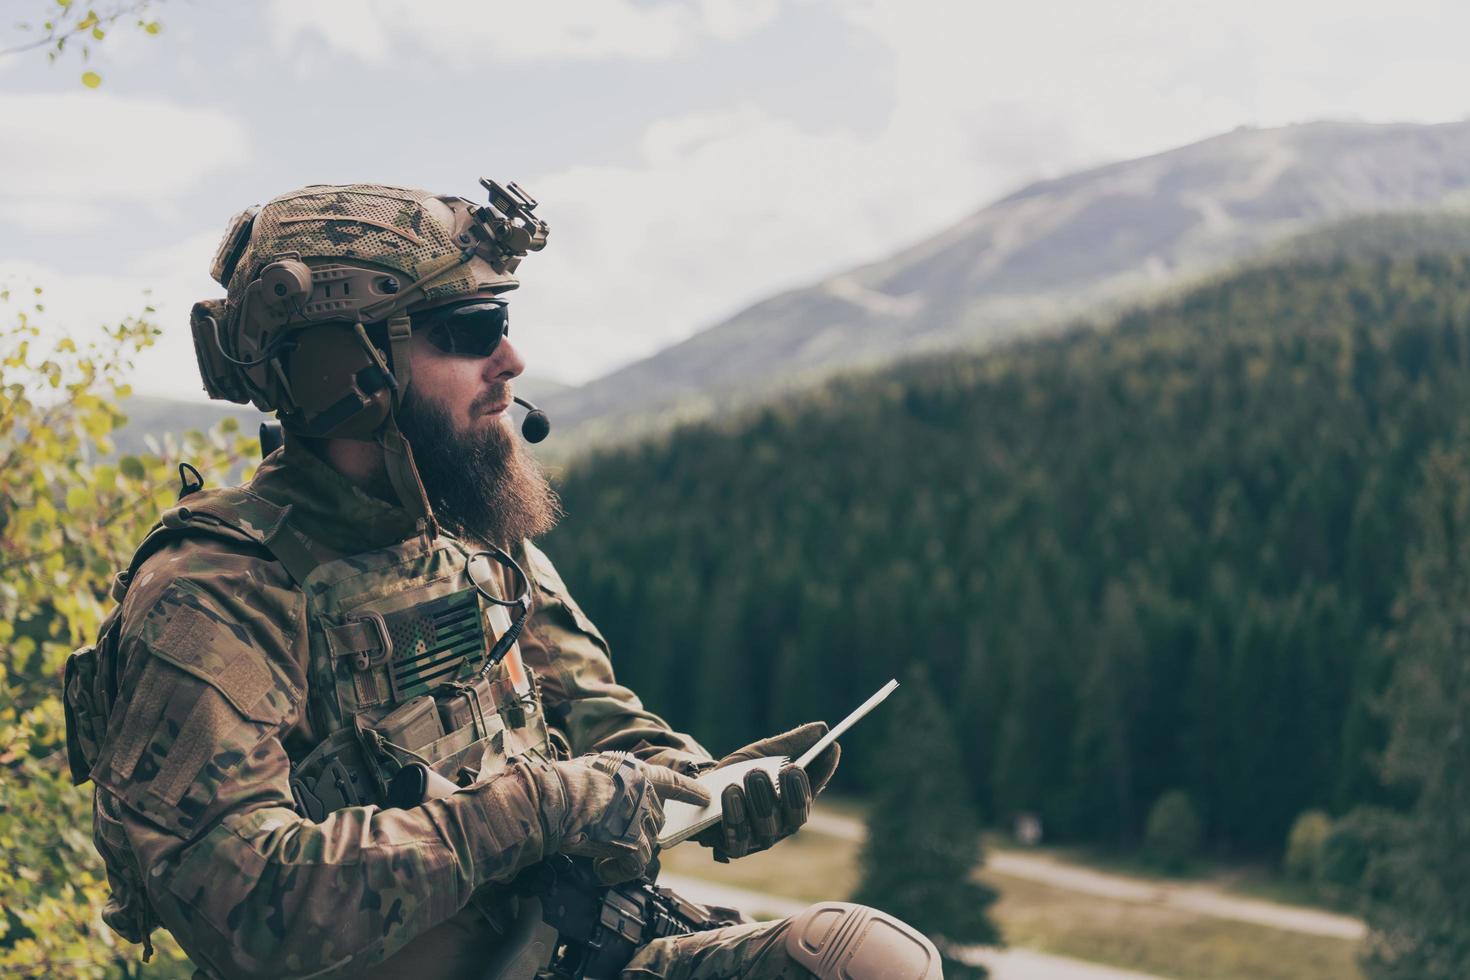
point(469, 704)
point(89, 688)
point(412, 726)
point(83, 726)
point(458, 756)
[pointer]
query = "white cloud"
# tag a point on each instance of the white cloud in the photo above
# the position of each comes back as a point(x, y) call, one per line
point(349, 26)
point(50, 214)
point(89, 150)
point(466, 34)
point(1128, 79)
point(726, 206)
point(169, 279)
point(722, 209)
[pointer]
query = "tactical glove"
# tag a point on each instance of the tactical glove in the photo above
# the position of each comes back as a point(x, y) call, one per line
point(754, 816)
point(615, 810)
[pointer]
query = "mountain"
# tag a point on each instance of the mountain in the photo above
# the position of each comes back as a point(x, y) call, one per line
point(149, 415)
point(1057, 249)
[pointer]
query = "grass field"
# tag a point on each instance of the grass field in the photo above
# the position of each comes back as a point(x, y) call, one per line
point(1257, 880)
point(1139, 936)
point(1164, 941)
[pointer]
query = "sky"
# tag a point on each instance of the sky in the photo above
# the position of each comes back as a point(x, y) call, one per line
point(691, 156)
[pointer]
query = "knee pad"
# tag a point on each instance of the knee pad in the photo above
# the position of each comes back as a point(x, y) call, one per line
point(842, 941)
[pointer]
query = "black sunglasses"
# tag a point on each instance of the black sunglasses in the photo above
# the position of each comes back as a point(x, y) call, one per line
point(468, 330)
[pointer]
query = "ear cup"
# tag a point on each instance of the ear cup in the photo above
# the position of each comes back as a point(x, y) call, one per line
point(285, 284)
point(337, 389)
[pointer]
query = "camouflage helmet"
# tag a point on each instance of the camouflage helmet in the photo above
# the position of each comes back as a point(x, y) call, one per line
point(320, 285)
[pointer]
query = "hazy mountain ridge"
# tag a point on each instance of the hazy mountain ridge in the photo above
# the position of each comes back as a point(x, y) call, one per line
point(150, 415)
point(1054, 250)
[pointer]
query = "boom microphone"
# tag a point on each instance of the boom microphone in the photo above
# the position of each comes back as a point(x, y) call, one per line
point(536, 426)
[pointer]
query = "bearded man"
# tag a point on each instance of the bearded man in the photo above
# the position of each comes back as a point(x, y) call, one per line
point(294, 661)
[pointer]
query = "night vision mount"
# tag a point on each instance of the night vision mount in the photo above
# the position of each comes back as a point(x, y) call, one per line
point(508, 224)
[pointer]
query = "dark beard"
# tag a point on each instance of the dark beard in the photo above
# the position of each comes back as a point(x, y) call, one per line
point(482, 485)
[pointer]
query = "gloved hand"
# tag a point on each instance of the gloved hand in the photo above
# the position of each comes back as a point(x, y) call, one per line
point(754, 816)
point(615, 810)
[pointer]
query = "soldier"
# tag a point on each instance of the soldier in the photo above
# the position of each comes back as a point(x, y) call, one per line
point(371, 606)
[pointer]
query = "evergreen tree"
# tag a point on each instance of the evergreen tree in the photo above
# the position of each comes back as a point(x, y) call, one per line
point(1419, 884)
point(923, 835)
point(1103, 743)
point(1239, 460)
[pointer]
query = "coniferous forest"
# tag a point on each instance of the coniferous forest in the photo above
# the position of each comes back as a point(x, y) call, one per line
point(1162, 556)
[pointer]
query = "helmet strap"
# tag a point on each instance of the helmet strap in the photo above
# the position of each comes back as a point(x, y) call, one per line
point(400, 329)
point(404, 477)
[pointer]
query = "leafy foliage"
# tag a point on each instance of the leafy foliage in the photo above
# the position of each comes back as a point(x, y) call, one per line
point(1173, 833)
point(923, 836)
point(1155, 557)
point(1343, 871)
point(70, 26)
point(70, 515)
point(1303, 858)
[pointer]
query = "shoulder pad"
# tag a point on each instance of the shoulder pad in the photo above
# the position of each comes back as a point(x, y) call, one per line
point(233, 513)
point(543, 571)
point(548, 580)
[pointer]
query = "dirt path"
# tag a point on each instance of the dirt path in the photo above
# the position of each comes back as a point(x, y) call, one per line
point(1004, 964)
point(1201, 899)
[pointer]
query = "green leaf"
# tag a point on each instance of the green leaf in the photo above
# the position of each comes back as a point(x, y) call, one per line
point(77, 499)
point(91, 79)
point(132, 467)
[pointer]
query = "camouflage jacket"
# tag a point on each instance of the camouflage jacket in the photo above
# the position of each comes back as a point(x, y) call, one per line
point(194, 811)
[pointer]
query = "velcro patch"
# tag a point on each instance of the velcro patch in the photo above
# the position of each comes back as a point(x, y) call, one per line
point(199, 645)
point(209, 725)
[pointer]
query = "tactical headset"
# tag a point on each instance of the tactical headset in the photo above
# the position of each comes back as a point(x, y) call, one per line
point(321, 283)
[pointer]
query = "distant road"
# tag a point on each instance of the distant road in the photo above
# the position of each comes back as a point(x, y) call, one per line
point(1200, 899)
point(1004, 964)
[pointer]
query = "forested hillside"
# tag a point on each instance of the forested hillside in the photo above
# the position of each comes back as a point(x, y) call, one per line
point(1160, 556)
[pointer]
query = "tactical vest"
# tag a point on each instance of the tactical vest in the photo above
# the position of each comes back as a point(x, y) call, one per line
point(398, 643)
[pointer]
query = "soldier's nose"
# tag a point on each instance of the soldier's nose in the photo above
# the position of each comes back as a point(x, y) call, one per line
point(505, 364)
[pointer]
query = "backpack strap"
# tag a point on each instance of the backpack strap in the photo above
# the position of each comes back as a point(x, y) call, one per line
point(233, 514)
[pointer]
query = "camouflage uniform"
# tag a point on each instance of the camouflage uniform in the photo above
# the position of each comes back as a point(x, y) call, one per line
point(284, 650)
point(221, 696)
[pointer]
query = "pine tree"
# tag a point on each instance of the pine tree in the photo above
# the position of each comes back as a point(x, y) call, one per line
point(923, 836)
point(1419, 883)
point(1103, 742)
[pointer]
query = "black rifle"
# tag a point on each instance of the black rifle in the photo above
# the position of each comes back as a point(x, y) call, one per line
point(599, 928)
